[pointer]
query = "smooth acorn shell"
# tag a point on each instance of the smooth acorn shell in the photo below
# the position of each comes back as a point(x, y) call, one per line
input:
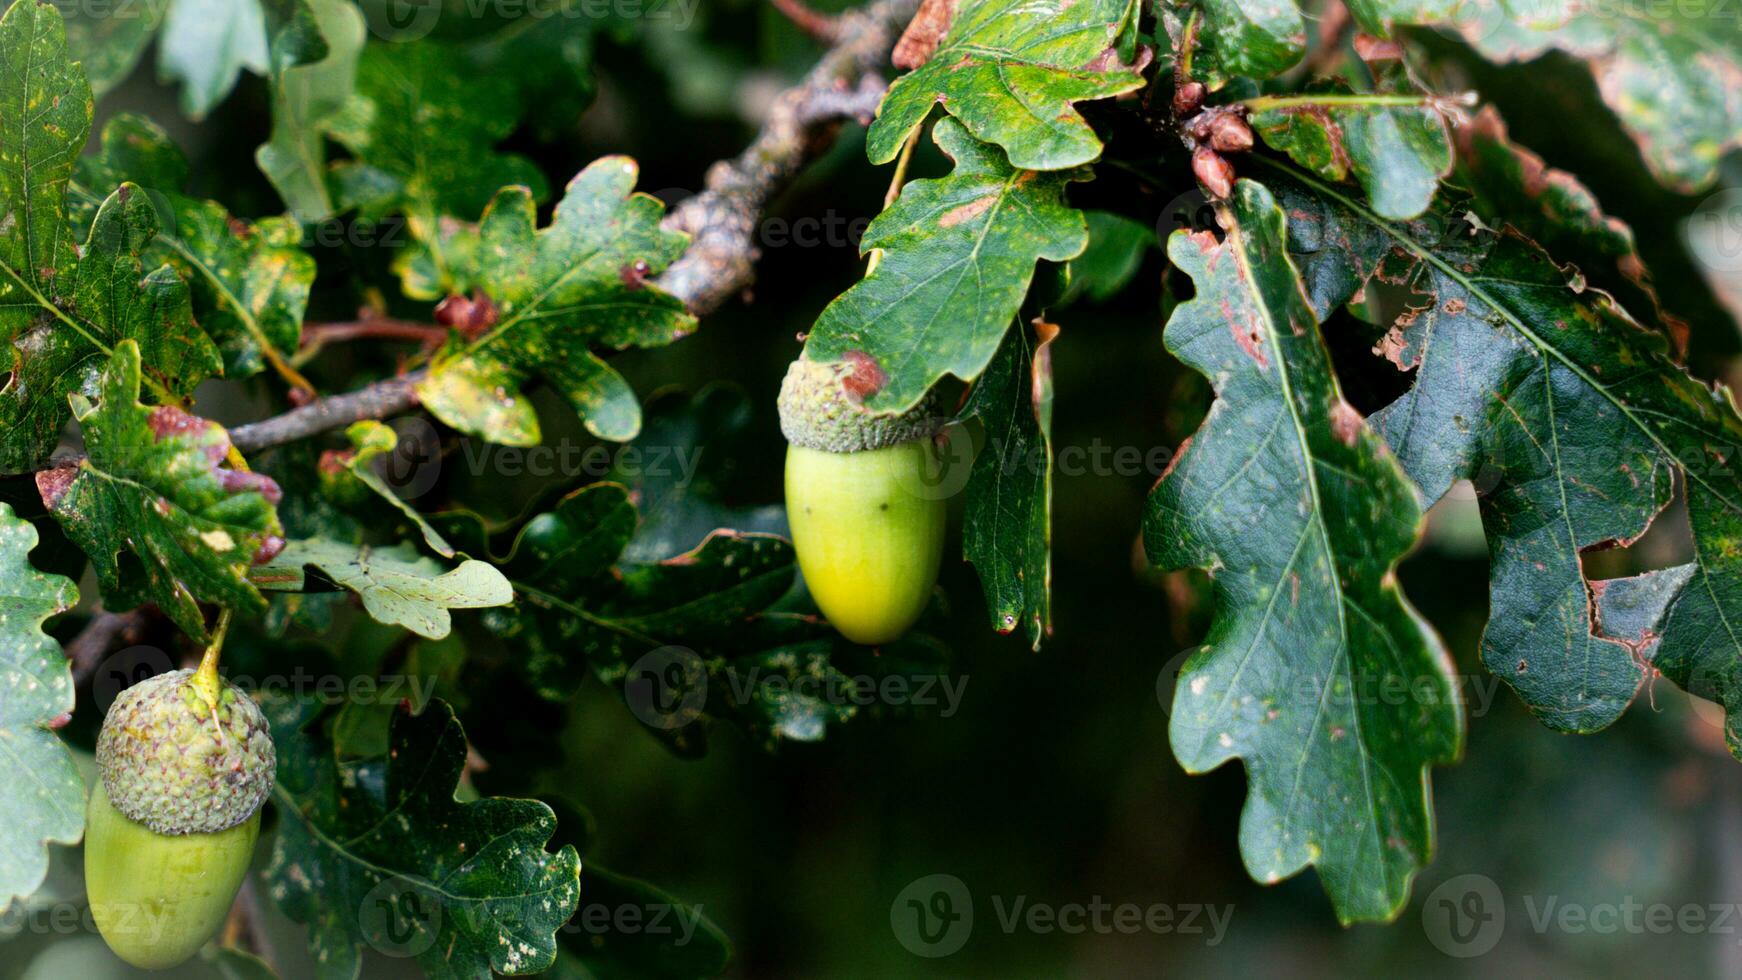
point(869, 531)
point(156, 897)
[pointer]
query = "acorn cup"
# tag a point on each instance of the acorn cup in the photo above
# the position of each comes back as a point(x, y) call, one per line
point(186, 761)
point(867, 524)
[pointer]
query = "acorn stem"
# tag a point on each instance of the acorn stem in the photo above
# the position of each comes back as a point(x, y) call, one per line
point(205, 679)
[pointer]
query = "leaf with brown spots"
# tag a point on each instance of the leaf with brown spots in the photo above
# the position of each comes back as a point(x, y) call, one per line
point(249, 281)
point(1674, 78)
point(1237, 38)
point(1513, 186)
point(1258, 39)
point(64, 309)
point(958, 255)
point(1301, 515)
point(920, 39)
point(1010, 71)
point(1574, 423)
point(377, 852)
point(557, 293)
point(1393, 141)
point(153, 505)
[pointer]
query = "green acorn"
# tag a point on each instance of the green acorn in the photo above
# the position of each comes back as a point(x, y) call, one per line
point(867, 521)
point(186, 762)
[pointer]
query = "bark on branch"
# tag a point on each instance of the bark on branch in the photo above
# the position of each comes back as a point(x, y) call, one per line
point(389, 396)
point(720, 262)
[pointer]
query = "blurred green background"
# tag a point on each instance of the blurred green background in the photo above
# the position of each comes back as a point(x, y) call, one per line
point(1053, 783)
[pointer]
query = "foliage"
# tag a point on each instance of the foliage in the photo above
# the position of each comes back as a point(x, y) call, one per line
point(1302, 513)
point(370, 508)
point(42, 686)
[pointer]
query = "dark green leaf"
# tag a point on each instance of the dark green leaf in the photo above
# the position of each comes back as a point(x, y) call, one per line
point(423, 130)
point(230, 963)
point(548, 52)
point(62, 312)
point(45, 799)
point(1238, 38)
point(249, 283)
point(1008, 521)
point(1316, 672)
point(1513, 186)
point(574, 546)
point(1646, 614)
point(1117, 246)
point(957, 256)
point(1010, 70)
point(154, 489)
point(1393, 142)
point(627, 929)
point(696, 600)
point(557, 292)
point(132, 149)
point(378, 852)
point(698, 626)
point(1569, 417)
point(686, 465)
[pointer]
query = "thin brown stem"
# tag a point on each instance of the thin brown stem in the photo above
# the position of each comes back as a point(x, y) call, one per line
point(720, 261)
point(896, 180)
point(105, 632)
point(373, 329)
point(288, 372)
point(384, 398)
point(821, 26)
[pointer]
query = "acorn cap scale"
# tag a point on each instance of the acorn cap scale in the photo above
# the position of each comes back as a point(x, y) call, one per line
point(179, 763)
point(819, 411)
